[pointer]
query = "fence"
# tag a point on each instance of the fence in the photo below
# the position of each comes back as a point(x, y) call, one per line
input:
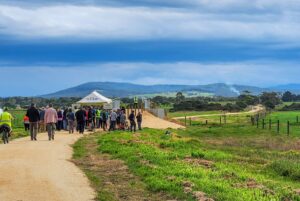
point(160, 113)
point(287, 125)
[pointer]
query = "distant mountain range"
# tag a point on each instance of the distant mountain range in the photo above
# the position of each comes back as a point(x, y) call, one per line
point(114, 89)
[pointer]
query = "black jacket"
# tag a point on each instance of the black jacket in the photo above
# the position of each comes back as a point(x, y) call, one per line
point(33, 114)
point(80, 116)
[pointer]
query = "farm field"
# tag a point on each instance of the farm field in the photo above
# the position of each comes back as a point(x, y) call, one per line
point(236, 161)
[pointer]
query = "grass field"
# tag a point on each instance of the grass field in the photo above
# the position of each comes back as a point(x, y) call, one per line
point(229, 162)
point(190, 113)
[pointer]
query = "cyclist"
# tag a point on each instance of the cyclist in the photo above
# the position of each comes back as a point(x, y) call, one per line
point(5, 125)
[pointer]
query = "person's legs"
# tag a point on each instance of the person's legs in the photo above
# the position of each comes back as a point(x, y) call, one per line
point(49, 130)
point(52, 131)
point(35, 130)
point(71, 126)
point(134, 126)
point(140, 125)
point(31, 130)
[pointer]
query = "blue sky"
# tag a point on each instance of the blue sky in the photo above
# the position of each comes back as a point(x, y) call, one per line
point(45, 47)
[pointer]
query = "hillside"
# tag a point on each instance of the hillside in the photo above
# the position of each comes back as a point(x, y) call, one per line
point(113, 89)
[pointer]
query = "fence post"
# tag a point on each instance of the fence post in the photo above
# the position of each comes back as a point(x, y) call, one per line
point(263, 123)
point(185, 120)
point(206, 121)
point(257, 123)
point(190, 121)
point(270, 124)
point(288, 127)
point(220, 120)
point(278, 126)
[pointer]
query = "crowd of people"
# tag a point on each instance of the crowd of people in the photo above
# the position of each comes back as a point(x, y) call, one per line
point(81, 119)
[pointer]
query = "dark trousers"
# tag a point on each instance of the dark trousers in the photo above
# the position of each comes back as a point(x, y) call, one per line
point(104, 125)
point(112, 125)
point(59, 125)
point(26, 126)
point(132, 126)
point(33, 130)
point(81, 125)
point(139, 125)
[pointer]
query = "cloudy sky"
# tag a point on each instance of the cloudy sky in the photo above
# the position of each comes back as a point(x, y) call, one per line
point(46, 47)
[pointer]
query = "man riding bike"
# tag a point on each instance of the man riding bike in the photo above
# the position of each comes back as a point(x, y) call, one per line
point(5, 125)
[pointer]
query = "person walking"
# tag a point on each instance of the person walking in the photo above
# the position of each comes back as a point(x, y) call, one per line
point(60, 119)
point(139, 119)
point(26, 123)
point(122, 120)
point(80, 118)
point(98, 118)
point(42, 120)
point(65, 121)
point(34, 119)
point(50, 121)
point(132, 121)
point(104, 120)
point(113, 119)
point(71, 119)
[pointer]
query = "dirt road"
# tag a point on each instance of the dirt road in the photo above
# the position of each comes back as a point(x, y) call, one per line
point(255, 109)
point(41, 171)
point(151, 121)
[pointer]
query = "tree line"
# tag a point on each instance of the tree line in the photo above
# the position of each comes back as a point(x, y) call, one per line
point(182, 103)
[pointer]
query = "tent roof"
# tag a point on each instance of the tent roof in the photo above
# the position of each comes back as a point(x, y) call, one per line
point(94, 98)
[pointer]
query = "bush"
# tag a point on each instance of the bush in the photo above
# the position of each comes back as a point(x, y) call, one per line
point(292, 107)
point(286, 168)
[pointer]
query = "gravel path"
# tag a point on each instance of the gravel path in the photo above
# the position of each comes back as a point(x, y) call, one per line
point(41, 171)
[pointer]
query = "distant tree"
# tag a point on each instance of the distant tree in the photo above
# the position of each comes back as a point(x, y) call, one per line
point(270, 99)
point(179, 97)
point(288, 96)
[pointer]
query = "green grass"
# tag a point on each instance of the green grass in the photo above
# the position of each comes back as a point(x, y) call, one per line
point(245, 163)
point(232, 162)
point(18, 118)
point(190, 113)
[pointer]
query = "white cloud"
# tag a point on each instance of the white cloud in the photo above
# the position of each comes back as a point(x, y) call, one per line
point(134, 23)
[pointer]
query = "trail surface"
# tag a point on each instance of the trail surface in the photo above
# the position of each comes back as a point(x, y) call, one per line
point(41, 171)
point(254, 110)
point(151, 121)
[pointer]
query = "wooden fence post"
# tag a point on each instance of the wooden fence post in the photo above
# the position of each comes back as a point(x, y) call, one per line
point(190, 121)
point(263, 123)
point(257, 123)
point(206, 121)
point(288, 127)
point(278, 126)
point(185, 120)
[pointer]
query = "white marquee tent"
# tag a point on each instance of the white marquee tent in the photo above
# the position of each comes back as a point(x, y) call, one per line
point(94, 98)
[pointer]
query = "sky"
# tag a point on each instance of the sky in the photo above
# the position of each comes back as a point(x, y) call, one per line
point(47, 46)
